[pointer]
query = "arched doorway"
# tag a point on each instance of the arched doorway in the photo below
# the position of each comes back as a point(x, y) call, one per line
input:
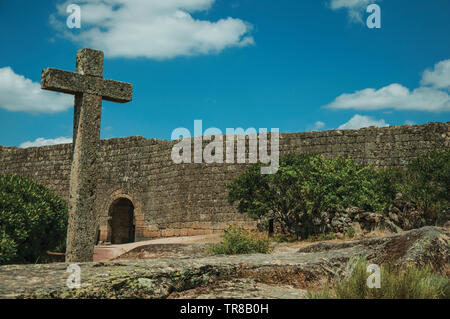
point(122, 221)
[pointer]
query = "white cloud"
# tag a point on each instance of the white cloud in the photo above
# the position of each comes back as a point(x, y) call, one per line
point(18, 93)
point(40, 141)
point(439, 77)
point(408, 122)
point(355, 8)
point(157, 29)
point(396, 96)
point(360, 121)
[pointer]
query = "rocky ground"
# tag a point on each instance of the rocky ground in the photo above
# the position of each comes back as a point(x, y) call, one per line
point(286, 273)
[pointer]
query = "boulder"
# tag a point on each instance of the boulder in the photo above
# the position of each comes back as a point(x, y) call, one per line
point(424, 246)
point(406, 214)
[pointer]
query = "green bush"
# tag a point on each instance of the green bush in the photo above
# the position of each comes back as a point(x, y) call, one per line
point(32, 220)
point(238, 240)
point(304, 186)
point(410, 282)
point(424, 181)
point(390, 182)
point(8, 249)
point(428, 182)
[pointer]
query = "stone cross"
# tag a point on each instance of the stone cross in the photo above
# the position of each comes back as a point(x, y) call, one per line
point(89, 88)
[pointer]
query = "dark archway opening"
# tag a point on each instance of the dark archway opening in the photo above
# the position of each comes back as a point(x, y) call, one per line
point(122, 221)
point(270, 227)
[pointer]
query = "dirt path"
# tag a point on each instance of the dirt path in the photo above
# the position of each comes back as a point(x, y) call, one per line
point(186, 246)
point(109, 252)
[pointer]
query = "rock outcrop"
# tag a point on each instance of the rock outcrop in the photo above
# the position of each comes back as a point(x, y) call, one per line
point(406, 214)
point(169, 277)
point(424, 246)
point(354, 219)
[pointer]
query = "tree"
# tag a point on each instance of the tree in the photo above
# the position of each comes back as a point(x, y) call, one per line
point(304, 186)
point(32, 220)
point(428, 181)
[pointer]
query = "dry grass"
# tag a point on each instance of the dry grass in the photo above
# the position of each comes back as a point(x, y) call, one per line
point(238, 240)
point(410, 282)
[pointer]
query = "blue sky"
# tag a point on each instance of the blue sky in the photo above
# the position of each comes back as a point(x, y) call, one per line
point(293, 65)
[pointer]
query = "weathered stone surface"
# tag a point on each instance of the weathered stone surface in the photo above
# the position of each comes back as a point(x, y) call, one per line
point(242, 288)
point(83, 178)
point(186, 199)
point(90, 62)
point(340, 222)
point(73, 83)
point(89, 89)
point(164, 250)
point(178, 277)
point(406, 214)
point(423, 246)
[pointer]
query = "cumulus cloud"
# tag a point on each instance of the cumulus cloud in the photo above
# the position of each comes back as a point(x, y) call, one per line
point(355, 8)
point(18, 93)
point(40, 141)
point(396, 96)
point(158, 29)
point(360, 121)
point(439, 77)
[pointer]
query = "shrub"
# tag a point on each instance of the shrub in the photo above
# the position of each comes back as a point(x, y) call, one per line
point(282, 238)
point(304, 186)
point(32, 220)
point(238, 240)
point(8, 249)
point(390, 182)
point(409, 282)
point(350, 232)
point(428, 181)
point(321, 237)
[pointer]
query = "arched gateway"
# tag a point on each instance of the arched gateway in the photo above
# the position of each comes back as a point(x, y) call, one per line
point(122, 223)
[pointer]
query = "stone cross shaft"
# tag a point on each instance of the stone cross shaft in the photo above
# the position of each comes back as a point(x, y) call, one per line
point(89, 88)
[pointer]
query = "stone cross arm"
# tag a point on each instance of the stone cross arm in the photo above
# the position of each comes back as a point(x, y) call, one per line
point(73, 83)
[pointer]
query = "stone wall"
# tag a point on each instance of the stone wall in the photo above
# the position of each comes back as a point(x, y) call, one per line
point(189, 199)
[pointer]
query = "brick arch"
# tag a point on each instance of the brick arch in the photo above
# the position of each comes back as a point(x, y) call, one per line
point(105, 226)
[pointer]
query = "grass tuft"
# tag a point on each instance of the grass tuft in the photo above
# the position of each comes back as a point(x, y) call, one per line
point(238, 240)
point(409, 282)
